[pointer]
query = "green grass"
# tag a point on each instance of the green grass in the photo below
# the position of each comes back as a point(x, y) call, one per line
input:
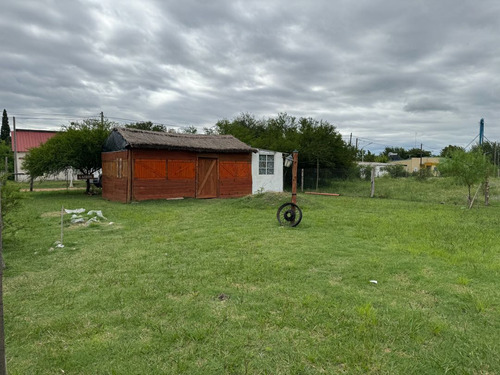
point(217, 287)
point(49, 184)
point(431, 190)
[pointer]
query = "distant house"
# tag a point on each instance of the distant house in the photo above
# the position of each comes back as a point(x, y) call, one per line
point(267, 171)
point(25, 140)
point(415, 164)
point(139, 165)
point(379, 168)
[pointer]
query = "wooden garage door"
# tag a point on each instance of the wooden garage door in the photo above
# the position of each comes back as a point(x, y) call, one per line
point(207, 178)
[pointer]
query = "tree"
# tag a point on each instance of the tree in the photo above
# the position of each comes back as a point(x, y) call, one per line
point(400, 151)
point(244, 127)
point(318, 142)
point(6, 152)
point(147, 125)
point(190, 130)
point(490, 149)
point(468, 168)
point(405, 154)
point(209, 130)
point(417, 153)
point(78, 146)
point(449, 150)
point(5, 130)
point(43, 160)
point(365, 155)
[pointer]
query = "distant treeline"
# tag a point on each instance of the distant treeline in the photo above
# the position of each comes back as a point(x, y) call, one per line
point(317, 142)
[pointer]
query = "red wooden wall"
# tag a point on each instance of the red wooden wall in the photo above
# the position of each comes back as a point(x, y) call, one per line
point(115, 176)
point(235, 175)
point(162, 174)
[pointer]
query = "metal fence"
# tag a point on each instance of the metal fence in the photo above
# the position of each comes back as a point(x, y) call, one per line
point(316, 178)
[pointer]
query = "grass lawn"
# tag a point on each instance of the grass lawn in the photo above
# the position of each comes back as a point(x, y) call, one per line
point(217, 287)
point(49, 184)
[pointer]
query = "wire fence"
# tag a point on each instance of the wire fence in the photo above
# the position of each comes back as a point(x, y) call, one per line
point(317, 178)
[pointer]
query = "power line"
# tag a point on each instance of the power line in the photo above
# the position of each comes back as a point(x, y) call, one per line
point(134, 121)
point(41, 116)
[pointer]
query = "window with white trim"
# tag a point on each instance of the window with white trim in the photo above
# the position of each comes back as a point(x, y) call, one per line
point(266, 164)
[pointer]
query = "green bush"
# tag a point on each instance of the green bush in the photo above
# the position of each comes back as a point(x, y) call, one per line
point(365, 172)
point(396, 170)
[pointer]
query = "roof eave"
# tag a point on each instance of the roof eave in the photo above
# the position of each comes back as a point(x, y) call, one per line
point(190, 149)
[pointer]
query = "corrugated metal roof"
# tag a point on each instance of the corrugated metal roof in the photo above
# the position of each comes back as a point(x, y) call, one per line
point(133, 138)
point(27, 139)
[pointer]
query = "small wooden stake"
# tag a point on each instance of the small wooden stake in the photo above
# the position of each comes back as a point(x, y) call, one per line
point(487, 192)
point(302, 180)
point(372, 183)
point(62, 224)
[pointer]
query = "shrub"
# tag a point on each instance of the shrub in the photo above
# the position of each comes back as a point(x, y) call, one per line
point(396, 170)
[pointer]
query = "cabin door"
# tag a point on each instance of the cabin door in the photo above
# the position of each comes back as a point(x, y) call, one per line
point(207, 185)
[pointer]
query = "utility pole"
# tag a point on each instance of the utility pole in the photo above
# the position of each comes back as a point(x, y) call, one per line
point(421, 154)
point(350, 139)
point(295, 154)
point(102, 118)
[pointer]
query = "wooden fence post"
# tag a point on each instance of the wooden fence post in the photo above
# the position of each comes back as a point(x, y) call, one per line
point(487, 192)
point(302, 180)
point(372, 183)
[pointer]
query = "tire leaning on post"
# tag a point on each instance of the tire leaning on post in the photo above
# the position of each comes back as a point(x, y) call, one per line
point(289, 215)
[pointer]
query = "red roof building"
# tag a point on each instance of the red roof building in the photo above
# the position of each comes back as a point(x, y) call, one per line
point(27, 139)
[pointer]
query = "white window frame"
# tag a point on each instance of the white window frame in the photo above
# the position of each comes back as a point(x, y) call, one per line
point(268, 167)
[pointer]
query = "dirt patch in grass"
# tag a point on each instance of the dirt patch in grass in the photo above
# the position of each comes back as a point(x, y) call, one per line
point(51, 214)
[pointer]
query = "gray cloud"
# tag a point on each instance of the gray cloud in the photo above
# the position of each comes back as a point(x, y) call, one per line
point(427, 104)
point(390, 72)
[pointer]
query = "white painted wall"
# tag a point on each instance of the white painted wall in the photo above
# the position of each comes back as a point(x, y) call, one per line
point(379, 168)
point(22, 176)
point(267, 182)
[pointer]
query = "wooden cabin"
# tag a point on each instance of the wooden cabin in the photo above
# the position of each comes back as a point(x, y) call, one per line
point(140, 165)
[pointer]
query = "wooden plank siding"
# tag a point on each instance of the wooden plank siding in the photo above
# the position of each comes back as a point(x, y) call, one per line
point(115, 172)
point(171, 174)
point(145, 174)
point(235, 175)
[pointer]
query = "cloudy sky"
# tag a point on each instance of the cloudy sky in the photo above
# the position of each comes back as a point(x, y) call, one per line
point(391, 72)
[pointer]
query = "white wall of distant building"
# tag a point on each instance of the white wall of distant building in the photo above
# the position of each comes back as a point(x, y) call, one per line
point(263, 178)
